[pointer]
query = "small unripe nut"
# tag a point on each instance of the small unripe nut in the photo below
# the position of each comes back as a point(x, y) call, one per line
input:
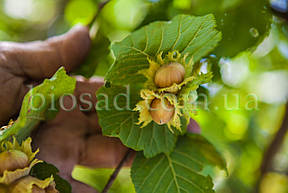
point(161, 111)
point(169, 74)
point(12, 160)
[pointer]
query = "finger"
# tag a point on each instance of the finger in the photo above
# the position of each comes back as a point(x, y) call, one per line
point(41, 59)
point(67, 145)
point(99, 151)
point(78, 187)
point(11, 107)
point(84, 102)
point(61, 140)
point(94, 127)
point(103, 152)
point(85, 92)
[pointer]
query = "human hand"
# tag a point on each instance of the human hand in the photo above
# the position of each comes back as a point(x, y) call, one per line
point(72, 137)
point(23, 64)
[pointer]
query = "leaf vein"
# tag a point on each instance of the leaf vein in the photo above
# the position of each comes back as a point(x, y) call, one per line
point(194, 36)
point(161, 177)
point(162, 36)
point(189, 157)
point(146, 39)
point(152, 171)
point(181, 188)
point(173, 173)
point(184, 166)
point(135, 49)
point(210, 39)
point(191, 182)
point(130, 129)
point(168, 187)
point(179, 33)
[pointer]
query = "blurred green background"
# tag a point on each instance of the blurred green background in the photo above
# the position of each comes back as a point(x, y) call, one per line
point(239, 112)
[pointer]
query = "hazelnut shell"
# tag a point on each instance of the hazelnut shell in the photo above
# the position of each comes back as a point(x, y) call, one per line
point(161, 111)
point(169, 74)
point(12, 160)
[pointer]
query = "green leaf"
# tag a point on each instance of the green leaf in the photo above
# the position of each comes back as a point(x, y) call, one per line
point(97, 178)
point(37, 102)
point(98, 61)
point(244, 23)
point(45, 170)
point(195, 36)
point(80, 11)
point(180, 171)
point(153, 139)
point(157, 11)
point(201, 7)
point(62, 185)
point(244, 26)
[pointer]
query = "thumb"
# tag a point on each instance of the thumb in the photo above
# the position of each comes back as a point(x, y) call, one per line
point(41, 59)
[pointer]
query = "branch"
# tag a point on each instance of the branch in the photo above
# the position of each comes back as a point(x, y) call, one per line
point(116, 171)
point(100, 7)
point(273, 148)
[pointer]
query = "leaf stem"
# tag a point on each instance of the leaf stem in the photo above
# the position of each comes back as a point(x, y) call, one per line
point(272, 149)
point(116, 171)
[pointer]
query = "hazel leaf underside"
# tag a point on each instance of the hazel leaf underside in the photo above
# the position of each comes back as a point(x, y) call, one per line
point(195, 36)
point(180, 171)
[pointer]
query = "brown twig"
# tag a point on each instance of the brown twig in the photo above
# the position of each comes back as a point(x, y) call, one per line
point(100, 7)
point(272, 149)
point(116, 171)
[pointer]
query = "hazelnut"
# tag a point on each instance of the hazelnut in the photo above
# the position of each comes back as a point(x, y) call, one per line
point(161, 111)
point(33, 185)
point(12, 160)
point(169, 74)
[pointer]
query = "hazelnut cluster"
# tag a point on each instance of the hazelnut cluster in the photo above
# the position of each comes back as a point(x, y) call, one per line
point(170, 82)
point(16, 162)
